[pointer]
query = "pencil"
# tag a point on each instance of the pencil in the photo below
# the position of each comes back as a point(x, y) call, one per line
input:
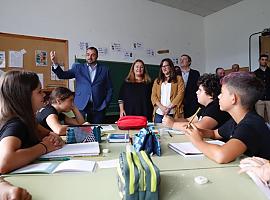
point(193, 117)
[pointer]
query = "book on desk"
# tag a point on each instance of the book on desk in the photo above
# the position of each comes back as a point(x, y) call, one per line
point(77, 149)
point(118, 137)
point(187, 149)
point(57, 167)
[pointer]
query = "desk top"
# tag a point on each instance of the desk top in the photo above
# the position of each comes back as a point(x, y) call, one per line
point(224, 184)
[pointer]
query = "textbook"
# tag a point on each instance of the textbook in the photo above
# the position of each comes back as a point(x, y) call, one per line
point(77, 149)
point(56, 167)
point(120, 137)
point(187, 149)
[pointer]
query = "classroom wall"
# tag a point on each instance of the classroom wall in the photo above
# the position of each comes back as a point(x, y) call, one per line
point(101, 22)
point(227, 33)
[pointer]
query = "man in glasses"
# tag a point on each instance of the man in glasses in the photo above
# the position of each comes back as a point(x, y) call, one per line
point(263, 73)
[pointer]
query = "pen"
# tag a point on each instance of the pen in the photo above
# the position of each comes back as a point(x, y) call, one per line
point(193, 117)
point(54, 159)
point(169, 133)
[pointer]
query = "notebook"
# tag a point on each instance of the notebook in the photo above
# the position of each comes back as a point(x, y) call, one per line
point(187, 149)
point(56, 167)
point(118, 137)
point(77, 149)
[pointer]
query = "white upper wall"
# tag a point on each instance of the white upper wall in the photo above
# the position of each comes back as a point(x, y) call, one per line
point(227, 34)
point(101, 22)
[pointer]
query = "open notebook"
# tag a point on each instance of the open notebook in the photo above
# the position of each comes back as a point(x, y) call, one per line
point(187, 149)
point(78, 149)
point(56, 167)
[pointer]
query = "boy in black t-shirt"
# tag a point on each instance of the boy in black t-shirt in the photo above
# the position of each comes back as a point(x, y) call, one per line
point(246, 132)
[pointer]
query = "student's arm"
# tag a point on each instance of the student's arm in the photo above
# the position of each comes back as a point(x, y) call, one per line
point(121, 109)
point(53, 122)
point(78, 120)
point(13, 157)
point(206, 123)
point(220, 154)
point(10, 192)
point(43, 132)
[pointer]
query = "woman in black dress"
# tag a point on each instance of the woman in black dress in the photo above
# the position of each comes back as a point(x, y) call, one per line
point(135, 92)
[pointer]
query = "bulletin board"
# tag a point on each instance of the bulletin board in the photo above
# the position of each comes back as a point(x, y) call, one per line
point(265, 45)
point(30, 53)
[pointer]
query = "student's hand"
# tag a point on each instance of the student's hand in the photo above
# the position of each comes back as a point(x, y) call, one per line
point(56, 140)
point(53, 57)
point(122, 113)
point(263, 172)
point(167, 121)
point(193, 133)
point(10, 192)
point(86, 123)
point(254, 161)
point(49, 141)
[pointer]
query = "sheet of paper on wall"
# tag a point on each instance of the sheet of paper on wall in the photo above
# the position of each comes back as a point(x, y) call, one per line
point(41, 79)
point(150, 52)
point(137, 45)
point(53, 75)
point(2, 59)
point(102, 51)
point(116, 47)
point(16, 59)
point(128, 55)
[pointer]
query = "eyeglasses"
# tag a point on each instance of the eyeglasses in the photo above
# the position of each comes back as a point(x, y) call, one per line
point(264, 59)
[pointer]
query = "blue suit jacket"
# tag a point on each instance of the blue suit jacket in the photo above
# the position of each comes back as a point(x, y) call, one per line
point(101, 88)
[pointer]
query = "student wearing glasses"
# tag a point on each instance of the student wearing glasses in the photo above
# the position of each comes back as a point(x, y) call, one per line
point(167, 92)
point(209, 116)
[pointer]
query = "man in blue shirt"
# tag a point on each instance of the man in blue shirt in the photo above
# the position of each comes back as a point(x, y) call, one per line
point(93, 91)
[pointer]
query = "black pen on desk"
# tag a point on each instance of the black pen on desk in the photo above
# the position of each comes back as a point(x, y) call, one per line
point(54, 159)
point(169, 133)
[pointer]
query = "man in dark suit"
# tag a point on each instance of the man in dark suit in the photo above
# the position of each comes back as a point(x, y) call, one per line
point(190, 77)
point(93, 91)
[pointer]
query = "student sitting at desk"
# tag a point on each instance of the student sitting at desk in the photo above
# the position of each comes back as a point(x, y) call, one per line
point(210, 116)
point(246, 132)
point(20, 140)
point(10, 192)
point(50, 117)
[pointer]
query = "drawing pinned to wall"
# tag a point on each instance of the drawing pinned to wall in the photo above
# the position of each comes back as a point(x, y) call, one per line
point(53, 75)
point(41, 79)
point(150, 52)
point(175, 60)
point(84, 45)
point(102, 51)
point(128, 55)
point(16, 59)
point(116, 47)
point(41, 58)
point(137, 45)
point(2, 59)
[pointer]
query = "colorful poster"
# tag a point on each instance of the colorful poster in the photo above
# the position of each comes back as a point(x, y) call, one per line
point(41, 58)
point(2, 59)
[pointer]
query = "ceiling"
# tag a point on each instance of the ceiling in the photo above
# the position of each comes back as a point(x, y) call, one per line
point(198, 7)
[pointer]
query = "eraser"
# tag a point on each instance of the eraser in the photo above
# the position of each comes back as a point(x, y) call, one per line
point(105, 150)
point(200, 180)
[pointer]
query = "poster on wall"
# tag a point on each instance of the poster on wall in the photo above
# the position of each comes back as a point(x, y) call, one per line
point(2, 59)
point(16, 59)
point(41, 58)
point(128, 55)
point(41, 79)
point(175, 60)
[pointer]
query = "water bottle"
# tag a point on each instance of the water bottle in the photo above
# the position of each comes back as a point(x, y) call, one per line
point(71, 136)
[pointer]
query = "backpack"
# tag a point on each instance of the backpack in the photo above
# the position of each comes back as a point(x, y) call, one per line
point(138, 176)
